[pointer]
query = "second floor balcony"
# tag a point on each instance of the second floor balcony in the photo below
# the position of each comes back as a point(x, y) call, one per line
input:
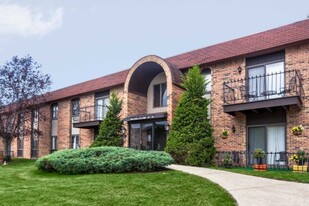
point(267, 91)
point(90, 117)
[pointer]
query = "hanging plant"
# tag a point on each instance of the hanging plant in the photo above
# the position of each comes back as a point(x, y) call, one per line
point(225, 134)
point(297, 130)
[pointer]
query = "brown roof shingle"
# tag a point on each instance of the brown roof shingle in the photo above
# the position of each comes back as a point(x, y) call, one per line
point(107, 81)
point(267, 40)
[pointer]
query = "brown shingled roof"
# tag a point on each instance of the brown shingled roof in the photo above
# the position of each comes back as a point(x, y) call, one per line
point(277, 38)
point(267, 40)
point(108, 81)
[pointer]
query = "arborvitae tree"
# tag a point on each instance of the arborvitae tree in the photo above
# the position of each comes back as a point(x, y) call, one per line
point(190, 140)
point(110, 127)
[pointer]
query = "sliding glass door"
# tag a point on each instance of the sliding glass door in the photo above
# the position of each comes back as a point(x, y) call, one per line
point(270, 138)
point(265, 82)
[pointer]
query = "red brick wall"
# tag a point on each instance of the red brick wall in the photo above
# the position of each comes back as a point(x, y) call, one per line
point(137, 104)
point(176, 92)
point(86, 136)
point(44, 127)
point(222, 72)
point(64, 124)
point(297, 57)
point(27, 141)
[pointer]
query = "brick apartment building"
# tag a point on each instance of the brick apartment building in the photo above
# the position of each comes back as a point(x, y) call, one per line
point(258, 87)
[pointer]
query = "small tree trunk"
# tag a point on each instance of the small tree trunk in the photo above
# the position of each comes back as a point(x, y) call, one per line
point(7, 141)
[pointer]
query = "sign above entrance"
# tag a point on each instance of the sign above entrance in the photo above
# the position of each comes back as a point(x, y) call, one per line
point(145, 117)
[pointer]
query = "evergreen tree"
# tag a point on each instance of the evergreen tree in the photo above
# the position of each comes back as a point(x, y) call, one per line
point(190, 140)
point(110, 127)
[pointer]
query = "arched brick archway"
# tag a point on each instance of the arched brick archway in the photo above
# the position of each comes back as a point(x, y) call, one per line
point(138, 81)
point(139, 78)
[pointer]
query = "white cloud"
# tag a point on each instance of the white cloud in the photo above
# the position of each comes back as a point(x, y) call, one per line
point(25, 21)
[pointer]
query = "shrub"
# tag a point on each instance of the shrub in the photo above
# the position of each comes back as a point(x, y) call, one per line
point(110, 128)
point(103, 160)
point(190, 140)
point(227, 161)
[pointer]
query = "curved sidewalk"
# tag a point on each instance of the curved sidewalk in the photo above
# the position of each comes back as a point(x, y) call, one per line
point(250, 190)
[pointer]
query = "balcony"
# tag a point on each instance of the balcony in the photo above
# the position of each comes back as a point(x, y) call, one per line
point(268, 91)
point(90, 117)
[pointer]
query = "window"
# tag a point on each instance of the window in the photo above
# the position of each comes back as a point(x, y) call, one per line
point(34, 144)
point(101, 107)
point(75, 142)
point(159, 95)
point(20, 146)
point(53, 143)
point(75, 108)
point(55, 111)
point(35, 116)
point(20, 139)
point(266, 75)
point(35, 135)
point(207, 75)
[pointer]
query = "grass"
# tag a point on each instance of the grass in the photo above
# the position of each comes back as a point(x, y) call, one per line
point(23, 184)
point(286, 175)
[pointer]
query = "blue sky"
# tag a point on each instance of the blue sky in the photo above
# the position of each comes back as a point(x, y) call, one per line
point(76, 40)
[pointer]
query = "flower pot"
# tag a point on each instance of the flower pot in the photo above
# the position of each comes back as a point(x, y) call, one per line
point(300, 168)
point(260, 167)
point(297, 133)
point(224, 136)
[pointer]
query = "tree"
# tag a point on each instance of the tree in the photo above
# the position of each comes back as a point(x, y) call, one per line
point(22, 89)
point(110, 128)
point(190, 140)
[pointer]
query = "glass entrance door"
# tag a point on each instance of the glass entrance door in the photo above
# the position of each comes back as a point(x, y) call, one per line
point(148, 135)
point(160, 136)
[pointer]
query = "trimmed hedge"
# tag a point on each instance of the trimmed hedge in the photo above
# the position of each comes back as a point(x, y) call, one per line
point(103, 160)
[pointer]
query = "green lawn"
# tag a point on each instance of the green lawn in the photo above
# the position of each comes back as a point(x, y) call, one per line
point(287, 175)
point(22, 184)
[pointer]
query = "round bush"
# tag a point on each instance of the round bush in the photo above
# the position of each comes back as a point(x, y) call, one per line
point(103, 160)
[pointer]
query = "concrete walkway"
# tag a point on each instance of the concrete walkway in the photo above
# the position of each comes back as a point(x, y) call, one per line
point(250, 190)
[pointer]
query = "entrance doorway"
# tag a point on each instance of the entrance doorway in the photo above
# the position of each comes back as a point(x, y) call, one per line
point(148, 135)
point(271, 139)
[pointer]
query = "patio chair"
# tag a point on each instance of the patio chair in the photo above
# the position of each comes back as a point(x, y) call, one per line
point(228, 95)
point(245, 95)
point(291, 87)
point(282, 159)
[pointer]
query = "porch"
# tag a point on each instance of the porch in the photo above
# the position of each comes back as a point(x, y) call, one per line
point(266, 91)
point(90, 116)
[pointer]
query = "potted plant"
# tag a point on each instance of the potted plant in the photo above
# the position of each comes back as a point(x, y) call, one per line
point(227, 160)
point(297, 130)
point(259, 154)
point(224, 134)
point(300, 159)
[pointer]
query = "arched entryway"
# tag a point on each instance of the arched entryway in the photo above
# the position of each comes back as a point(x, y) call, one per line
point(148, 102)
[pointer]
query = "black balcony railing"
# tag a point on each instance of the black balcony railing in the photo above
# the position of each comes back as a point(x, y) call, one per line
point(91, 113)
point(274, 160)
point(263, 87)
